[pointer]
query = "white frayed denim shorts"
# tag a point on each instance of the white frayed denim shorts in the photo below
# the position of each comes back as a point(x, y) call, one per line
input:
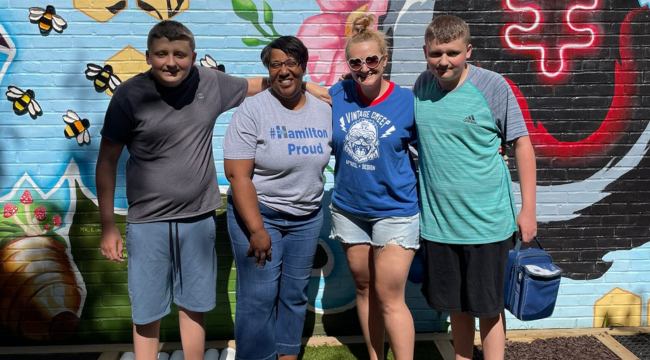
point(352, 229)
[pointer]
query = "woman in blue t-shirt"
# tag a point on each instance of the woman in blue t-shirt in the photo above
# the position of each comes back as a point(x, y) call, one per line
point(374, 203)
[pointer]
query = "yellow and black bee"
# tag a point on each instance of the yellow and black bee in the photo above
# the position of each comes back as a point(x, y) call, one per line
point(208, 61)
point(24, 102)
point(47, 19)
point(77, 128)
point(102, 77)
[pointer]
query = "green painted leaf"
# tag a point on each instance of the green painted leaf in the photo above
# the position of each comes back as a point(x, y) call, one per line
point(253, 42)
point(268, 14)
point(245, 9)
point(268, 19)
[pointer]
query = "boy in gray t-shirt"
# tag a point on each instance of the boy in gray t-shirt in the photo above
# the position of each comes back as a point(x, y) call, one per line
point(165, 117)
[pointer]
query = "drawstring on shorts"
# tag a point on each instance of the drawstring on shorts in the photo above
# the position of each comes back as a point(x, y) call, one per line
point(175, 252)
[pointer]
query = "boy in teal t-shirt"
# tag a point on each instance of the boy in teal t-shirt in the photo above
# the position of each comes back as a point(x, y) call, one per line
point(468, 215)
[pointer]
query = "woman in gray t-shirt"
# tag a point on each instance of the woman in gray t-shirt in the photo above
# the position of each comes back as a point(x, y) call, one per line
point(275, 150)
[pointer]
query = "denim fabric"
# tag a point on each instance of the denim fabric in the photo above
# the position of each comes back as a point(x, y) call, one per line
point(353, 229)
point(272, 302)
point(166, 258)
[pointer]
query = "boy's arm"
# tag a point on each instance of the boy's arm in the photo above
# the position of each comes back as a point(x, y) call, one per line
point(259, 84)
point(105, 174)
point(526, 168)
point(256, 85)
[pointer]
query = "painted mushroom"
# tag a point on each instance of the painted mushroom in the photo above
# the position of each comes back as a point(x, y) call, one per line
point(26, 199)
point(40, 213)
point(10, 213)
point(57, 221)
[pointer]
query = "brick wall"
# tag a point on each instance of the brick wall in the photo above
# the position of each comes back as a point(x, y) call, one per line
point(587, 106)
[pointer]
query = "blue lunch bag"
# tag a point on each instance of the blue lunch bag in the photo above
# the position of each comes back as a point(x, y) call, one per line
point(532, 283)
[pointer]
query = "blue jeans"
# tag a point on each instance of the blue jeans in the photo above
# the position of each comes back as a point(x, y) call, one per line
point(272, 302)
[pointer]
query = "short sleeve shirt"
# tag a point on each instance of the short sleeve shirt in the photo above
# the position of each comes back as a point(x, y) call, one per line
point(374, 176)
point(291, 150)
point(466, 194)
point(170, 173)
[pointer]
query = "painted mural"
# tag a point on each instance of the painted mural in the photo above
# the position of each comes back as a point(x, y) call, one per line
point(580, 70)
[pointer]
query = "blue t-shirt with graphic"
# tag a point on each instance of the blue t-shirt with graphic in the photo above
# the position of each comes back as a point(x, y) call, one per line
point(374, 175)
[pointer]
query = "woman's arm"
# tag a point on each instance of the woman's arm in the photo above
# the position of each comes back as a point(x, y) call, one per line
point(244, 195)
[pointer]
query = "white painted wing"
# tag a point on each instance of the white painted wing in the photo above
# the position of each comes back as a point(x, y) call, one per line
point(70, 117)
point(58, 23)
point(92, 70)
point(14, 92)
point(35, 13)
point(34, 108)
point(208, 61)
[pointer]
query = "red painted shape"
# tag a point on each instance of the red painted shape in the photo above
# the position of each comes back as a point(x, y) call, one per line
point(530, 39)
point(615, 122)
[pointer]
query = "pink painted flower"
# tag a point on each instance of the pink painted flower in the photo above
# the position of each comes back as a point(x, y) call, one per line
point(325, 36)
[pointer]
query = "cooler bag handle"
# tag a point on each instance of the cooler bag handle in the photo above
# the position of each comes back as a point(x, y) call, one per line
point(519, 242)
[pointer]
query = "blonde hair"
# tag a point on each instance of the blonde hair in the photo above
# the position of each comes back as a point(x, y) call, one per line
point(447, 28)
point(361, 31)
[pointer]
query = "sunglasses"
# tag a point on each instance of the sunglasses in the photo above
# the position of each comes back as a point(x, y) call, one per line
point(371, 62)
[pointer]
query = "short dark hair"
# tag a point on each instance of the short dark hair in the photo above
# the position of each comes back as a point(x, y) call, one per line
point(172, 30)
point(447, 28)
point(290, 45)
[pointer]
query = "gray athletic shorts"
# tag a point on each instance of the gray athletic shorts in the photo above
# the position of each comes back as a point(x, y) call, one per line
point(171, 259)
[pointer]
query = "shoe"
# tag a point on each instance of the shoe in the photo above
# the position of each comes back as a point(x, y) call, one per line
point(211, 354)
point(227, 354)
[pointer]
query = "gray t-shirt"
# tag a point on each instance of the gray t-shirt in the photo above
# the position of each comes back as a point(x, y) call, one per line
point(290, 148)
point(170, 173)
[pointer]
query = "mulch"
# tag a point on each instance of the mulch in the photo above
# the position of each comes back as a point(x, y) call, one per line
point(561, 348)
point(81, 356)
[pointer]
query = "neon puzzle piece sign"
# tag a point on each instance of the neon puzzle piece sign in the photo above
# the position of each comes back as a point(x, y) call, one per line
point(541, 49)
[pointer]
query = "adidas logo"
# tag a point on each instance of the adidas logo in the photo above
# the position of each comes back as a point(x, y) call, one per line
point(470, 119)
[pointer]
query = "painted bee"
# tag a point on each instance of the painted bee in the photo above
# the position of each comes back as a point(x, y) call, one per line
point(47, 19)
point(76, 128)
point(102, 78)
point(208, 61)
point(24, 102)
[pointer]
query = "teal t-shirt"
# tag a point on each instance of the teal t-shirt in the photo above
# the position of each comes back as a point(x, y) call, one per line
point(466, 194)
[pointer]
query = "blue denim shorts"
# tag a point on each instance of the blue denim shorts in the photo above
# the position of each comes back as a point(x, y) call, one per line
point(352, 229)
point(171, 258)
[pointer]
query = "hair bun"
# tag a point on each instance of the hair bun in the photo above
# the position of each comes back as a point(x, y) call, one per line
point(363, 22)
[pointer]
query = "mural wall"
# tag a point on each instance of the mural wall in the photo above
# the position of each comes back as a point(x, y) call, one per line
point(580, 70)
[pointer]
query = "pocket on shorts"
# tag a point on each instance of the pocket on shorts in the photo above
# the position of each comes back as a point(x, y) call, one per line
point(127, 239)
point(213, 228)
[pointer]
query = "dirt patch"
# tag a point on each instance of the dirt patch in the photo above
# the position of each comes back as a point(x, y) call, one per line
point(565, 348)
